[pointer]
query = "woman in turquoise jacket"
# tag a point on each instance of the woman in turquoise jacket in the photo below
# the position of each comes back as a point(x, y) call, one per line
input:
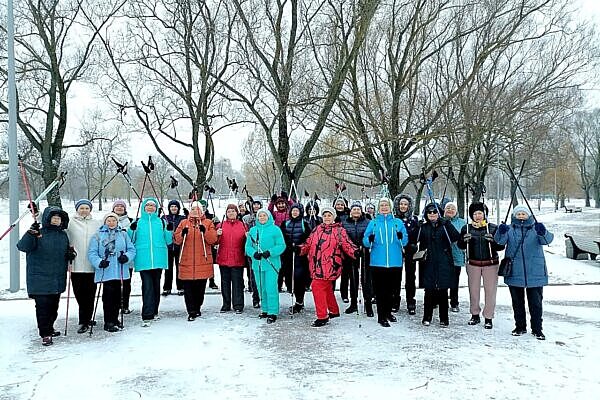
point(109, 251)
point(151, 236)
point(385, 236)
point(265, 244)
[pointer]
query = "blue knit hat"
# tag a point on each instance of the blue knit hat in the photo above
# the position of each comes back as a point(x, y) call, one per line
point(82, 202)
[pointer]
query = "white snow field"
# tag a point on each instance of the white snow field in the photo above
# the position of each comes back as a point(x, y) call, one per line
point(227, 356)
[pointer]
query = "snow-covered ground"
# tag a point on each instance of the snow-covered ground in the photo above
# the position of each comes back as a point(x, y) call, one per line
point(229, 356)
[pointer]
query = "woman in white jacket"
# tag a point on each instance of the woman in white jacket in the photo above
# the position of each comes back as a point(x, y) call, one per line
point(82, 227)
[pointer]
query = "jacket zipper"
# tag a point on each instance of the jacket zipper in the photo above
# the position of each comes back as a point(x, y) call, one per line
point(523, 254)
point(387, 250)
point(151, 244)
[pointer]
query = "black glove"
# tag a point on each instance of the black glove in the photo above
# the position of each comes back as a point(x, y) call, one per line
point(372, 238)
point(540, 229)
point(122, 259)
point(489, 237)
point(502, 229)
point(184, 231)
point(399, 235)
point(186, 212)
point(274, 198)
point(266, 254)
point(202, 228)
point(70, 254)
point(133, 225)
point(170, 226)
point(467, 237)
point(35, 226)
point(257, 255)
point(104, 264)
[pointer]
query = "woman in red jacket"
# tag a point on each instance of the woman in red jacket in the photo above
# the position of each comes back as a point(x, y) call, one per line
point(325, 247)
point(231, 259)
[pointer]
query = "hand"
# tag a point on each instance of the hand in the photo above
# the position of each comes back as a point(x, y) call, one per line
point(372, 238)
point(216, 220)
point(399, 235)
point(133, 225)
point(502, 229)
point(220, 231)
point(202, 228)
point(467, 237)
point(104, 264)
point(70, 254)
point(184, 231)
point(266, 254)
point(489, 237)
point(257, 255)
point(35, 226)
point(186, 212)
point(170, 226)
point(122, 259)
point(540, 229)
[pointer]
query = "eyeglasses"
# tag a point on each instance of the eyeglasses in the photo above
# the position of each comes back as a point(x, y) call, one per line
point(432, 212)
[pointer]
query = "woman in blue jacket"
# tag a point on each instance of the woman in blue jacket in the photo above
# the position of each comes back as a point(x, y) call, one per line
point(109, 252)
point(385, 236)
point(524, 239)
point(151, 236)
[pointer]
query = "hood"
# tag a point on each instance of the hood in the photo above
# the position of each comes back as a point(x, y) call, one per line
point(429, 206)
point(52, 210)
point(174, 203)
point(309, 205)
point(300, 207)
point(411, 208)
point(526, 222)
point(270, 221)
point(143, 207)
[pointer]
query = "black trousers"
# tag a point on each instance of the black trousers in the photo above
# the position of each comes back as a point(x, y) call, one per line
point(454, 289)
point(410, 284)
point(435, 297)
point(232, 284)
point(535, 296)
point(173, 258)
point(46, 312)
point(111, 301)
point(353, 266)
point(193, 294)
point(127, 290)
point(285, 272)
point(383, 280)
point(345, 280)
point(84, 289)
point(252, 282)
point(150, 292)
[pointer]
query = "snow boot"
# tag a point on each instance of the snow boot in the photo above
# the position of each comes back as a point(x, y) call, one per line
point(369, 310)
point(296, 308)
point(539, 335)
point(352, 309)
point(83, 328)
point(455, 309)
point(271, 319)
point(212, 284)
point(256, 304)
point(392, 318)
point(320, 322)
point(474, 320)
point(519, 331)
point(332, 315)
point(444, 324)
point(110, 327)
point(384, 323)
point(166, 293)
point(262, 315)
point(47, 341)
point(425, 322)
point(488, 323)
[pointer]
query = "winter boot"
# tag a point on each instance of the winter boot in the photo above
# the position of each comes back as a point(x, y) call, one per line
point(55, 333)
point(166, 293)
point(212, 284)
point(539, 335)
point(488, 323)
point(352, 309)
point(412, 309)
point(110, 327)
point(392, 318)
point(444, 324)
point(455, 309)
point(519, 331)
point(256, 304)
point(425, 322)
point(369, 309)
point(83, 328)
point(296, 308)
point(332, 315)
point(262, 315)
point(47, 341)
point(320, 322)
point(474, 320)
point(271, 319)
point(384, 323)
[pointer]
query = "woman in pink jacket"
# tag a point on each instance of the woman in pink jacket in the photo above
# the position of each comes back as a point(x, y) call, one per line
point(231, 259)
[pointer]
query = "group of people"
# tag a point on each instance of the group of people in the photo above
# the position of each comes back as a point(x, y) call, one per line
point(307, 247)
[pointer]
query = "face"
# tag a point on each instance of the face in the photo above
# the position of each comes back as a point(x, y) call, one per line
point(432, 215)
point(522, 216)
point(242, 207)
point(311, 211)
point(281, 206)
point(450, 211)
point(119, 210)
point(295, 213)
point(328, 218)
point(231, 214)
point(384, 208)
point(478, 216)
point(371, 210)
point(255, 207)
point(150, 207)
point(111, 222)
point(196, 211)
point(84, 210)
point(355, 212)
point(340, 206)
point(174, 209)
point(403, 206)
point(263, 218)
point(55, 220)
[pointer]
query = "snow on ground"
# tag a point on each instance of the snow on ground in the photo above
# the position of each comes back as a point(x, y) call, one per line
point(229, 356)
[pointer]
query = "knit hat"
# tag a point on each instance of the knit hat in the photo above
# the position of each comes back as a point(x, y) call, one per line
point(110, 214)
point(521, 208)
point(477, 206)
point(203, 203)
point(451, 204)
point(342, 200)
point(174, 203)
point(386, 200)
point(356, 204)
point(328, 209)
point(257, 202)
point(119, 203)
point(82, 202)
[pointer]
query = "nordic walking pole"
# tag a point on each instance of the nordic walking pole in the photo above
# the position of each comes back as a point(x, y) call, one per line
point(174, 185)
point(512, 173)
point(293, 273)
point(97, 299)
point(105, 186)
point(121, 324)
point(359, 287)
point(512, 193)
point(68, 297)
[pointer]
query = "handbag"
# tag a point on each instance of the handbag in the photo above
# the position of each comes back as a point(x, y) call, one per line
point(505, 268)
point(420, 255)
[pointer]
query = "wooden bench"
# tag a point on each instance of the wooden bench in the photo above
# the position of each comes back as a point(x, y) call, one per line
point(572, 209)
point(580, 247)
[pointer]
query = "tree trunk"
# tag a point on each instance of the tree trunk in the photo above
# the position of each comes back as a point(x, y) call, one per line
point(49, 174)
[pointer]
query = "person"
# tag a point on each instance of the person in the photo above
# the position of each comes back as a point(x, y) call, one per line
point(196, 235)
point(109, 251)
point(404, 210)
point(325, 248)
point(385, 236)
point(370, 210)
point(482, 263)
point(265, 244)
point(151, 236)
point(82, 226)
point(47, 249)
point(242, 210)
point(436, 235)
point(231, 235)
point(119, 207)
point(524, 239)
point(340, 204)
point(295, 232)
point(250, 221)
point(213, 249)
point(173, 217)
point(311, 214)
point(458, 255)
point(355, 225)
point(280, 208)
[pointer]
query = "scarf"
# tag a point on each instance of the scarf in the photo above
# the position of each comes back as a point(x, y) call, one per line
point(109, 241)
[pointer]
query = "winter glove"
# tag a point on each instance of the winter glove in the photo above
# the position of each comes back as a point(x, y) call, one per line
point(202, 228)
point(372, 238)
point(489, 237)
point(274, 198)
point(257, 255)
point(399, 235)
point(411, 248)
point(467, 237)
point(502, 229)
point(170, 226)
point(70, 254)
point(186, 212)
point(34, 229)
point(540, 229)
point(122, 259)
point(184, 231)
point(266, 254)
point(133, 225)
point(104, 264)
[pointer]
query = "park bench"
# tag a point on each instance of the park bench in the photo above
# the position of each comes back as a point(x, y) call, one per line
point(579, 247)
point(572, 209)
